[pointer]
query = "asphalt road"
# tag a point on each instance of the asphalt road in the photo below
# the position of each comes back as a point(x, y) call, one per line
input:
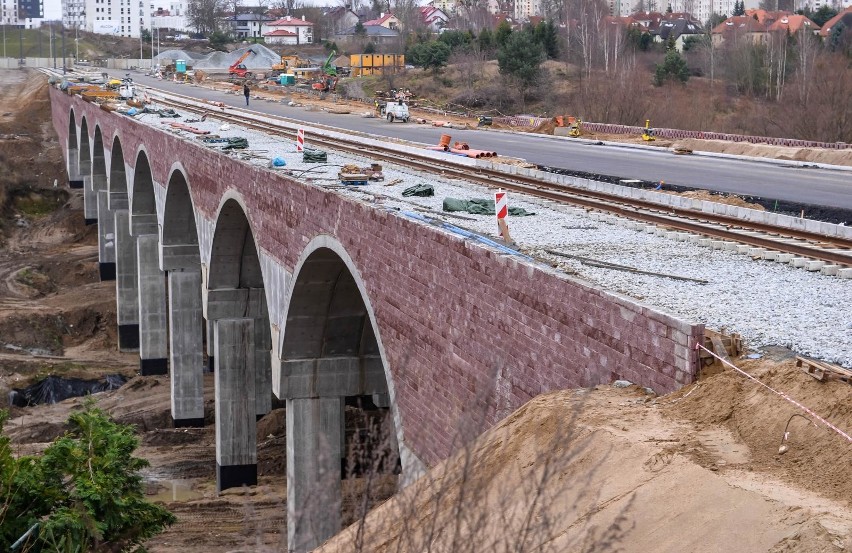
point(819, 187)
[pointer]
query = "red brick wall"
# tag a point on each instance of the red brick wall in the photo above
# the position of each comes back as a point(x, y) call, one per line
point(451, 315)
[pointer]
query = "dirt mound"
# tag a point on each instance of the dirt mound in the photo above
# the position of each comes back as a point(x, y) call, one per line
point(818, 459)
point(609, 469)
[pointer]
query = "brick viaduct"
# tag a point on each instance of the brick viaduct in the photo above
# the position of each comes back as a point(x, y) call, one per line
point(314, 297)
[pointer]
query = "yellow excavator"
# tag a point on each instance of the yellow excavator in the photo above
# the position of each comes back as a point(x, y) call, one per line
point(289, 63)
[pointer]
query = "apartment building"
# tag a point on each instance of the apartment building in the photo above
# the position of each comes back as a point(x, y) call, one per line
point(116, 17)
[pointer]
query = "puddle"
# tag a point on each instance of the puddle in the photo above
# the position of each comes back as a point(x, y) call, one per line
point(169, 491)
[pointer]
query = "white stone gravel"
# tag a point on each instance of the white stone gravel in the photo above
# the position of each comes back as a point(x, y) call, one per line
point(768, 303)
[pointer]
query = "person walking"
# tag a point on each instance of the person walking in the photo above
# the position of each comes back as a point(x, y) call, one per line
point(246, 92)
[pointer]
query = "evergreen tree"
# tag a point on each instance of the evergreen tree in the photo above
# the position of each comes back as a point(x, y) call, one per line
point(485, 40)
point(673, 68)
point(502, 33)
point(520, 58)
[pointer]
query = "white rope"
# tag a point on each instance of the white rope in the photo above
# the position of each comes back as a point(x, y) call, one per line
point(781, 394)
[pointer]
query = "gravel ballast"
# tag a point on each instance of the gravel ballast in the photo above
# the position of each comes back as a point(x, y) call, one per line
point(768, 303)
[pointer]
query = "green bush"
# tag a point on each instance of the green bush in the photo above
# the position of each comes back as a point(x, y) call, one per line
point(85, 492)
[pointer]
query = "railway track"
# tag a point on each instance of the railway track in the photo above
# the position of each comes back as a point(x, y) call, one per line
point(802, 244)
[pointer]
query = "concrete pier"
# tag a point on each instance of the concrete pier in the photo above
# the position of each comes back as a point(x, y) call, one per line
point(106, 237)
point(185, 353)
point(236, 430)
point(153, 314)
point(126, 283)
point(90, 200)
point(314, 428)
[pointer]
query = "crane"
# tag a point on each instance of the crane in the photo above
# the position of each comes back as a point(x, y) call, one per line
point(328, 77)
point(237, 68)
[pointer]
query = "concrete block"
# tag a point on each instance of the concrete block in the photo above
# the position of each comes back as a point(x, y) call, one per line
point(756, 252)
point(846, 272)
point(799, 262)
point(730, 246)
point(705, 242)
point(770, 255)
point(717, 244)
point(784, 257)
point(814, 266)
point(830, 270)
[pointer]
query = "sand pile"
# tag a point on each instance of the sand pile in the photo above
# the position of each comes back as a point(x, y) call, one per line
point(815, 155)
point(608, 470)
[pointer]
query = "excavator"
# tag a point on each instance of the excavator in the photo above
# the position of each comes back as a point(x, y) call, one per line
point(289, 63)
point(327, 80)
point(239, 70)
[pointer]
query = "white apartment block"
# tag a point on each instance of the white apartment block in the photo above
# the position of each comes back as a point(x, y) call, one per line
point(526, 8)
point(124, 18)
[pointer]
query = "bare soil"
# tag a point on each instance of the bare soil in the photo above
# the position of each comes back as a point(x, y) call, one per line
point(606, 469)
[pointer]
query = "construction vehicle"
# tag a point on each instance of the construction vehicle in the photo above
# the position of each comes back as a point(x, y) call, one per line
point(396, 110)
point(238, 69)
point(327, 81)
point(648, 132)
point(127, 90)
point(289, 63)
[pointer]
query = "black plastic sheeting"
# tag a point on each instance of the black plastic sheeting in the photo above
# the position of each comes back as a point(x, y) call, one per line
point(54, 389)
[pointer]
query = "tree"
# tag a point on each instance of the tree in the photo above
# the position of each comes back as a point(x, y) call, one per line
point(822, 15)
point(546, 35)
point(218, 40)
point(739, 8)
point(502, 33)
point(485, 40)
point(434, 54)
point(203, 15)
point(673, 68)
point(84, 493)
point(521, 58)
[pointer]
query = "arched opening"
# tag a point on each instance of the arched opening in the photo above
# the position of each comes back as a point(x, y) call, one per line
point(153, 312)
point(101, 209)
point(126, 267)
point(178, 215)
point(338, 400)
point(75, 180)
point(85, 160)
point(117, 172)
point(180, 257)
point(143, 204)
point(236, 296)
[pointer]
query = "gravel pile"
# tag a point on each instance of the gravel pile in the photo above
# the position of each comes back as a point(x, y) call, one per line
point(263, 58)
point(768, 303)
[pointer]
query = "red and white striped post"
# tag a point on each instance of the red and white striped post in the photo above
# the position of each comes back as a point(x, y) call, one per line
point(300, 140)
point(501, 208)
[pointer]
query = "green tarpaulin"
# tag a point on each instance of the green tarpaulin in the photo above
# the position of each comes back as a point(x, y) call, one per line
point(480, 206)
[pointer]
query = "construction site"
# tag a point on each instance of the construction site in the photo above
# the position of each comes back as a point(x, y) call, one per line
point(752, 456)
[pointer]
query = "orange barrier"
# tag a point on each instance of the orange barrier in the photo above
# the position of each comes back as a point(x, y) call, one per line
point(445, 140)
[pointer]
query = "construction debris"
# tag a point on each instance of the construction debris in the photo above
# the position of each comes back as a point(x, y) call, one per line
point(823, 371)
point(421, 190)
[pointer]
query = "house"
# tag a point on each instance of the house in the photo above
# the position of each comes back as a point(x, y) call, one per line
point(433, 18)
point(376, 34)
point(739, 27)
point(844, 17)
point(289, 30)
point(677, 30)
point(247, 25)
point(339, 18)
point(386, 20)
point(793, 24)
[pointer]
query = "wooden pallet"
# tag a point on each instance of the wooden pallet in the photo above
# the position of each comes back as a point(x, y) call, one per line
point(822, 371)
point(726, 346)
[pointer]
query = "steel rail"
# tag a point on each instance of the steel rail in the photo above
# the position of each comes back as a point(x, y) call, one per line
point(819, 247)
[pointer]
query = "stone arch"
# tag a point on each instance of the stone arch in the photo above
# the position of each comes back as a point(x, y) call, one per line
point(143, 202)
point(117, 172)
point(73, 150)
point(331, 354)
point(151, 281)
point(179, 255)
point(97, 207)
point(179, 227)
point(236, 303)
point(84, 162)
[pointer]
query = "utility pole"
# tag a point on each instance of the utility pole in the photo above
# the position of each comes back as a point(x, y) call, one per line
point(62, 29)
point(53, 43)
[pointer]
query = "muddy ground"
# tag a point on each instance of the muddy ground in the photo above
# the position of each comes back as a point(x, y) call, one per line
point(714, 444)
